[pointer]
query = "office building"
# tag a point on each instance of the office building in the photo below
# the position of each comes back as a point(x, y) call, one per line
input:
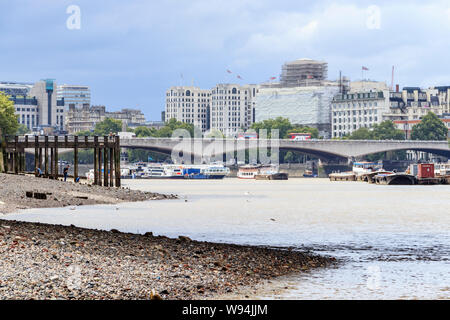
point(74, 94)
point(188, 104)
point(232, 107)
point(362, 107)
point(36, 104)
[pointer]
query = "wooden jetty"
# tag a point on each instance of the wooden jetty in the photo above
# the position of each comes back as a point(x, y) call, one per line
point(46, 149)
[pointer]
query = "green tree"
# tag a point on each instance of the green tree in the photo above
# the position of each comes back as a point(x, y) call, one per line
point(142, 132)
point(8, 123)
point(430, 128)
point(360, 134)
point(108, 126)
point(171, 126)
point(8, 118)
point(85, 133)
point(22, 129)
point(386, 130)
point(280, 123)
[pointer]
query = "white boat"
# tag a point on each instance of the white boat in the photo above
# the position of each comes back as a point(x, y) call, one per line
point(360, 168)
point(249, 171)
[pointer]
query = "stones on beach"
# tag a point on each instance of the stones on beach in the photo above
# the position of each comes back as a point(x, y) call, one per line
point(65, 262)
point(184, 239)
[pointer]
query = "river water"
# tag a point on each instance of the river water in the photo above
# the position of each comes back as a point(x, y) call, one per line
point(393, 242)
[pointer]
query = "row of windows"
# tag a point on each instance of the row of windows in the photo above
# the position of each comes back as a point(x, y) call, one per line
point(354, 105)
point(340, 120)
point(354, 112)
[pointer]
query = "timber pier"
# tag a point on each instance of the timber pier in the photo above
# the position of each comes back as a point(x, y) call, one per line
point(46, 149)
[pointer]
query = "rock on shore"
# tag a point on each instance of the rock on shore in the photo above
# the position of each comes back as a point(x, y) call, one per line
point(41, 261)
point(14, 188)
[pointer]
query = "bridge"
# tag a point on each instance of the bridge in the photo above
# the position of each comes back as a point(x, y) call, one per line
point(323, 149)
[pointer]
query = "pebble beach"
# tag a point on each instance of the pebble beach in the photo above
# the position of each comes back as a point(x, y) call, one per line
point(41, 261)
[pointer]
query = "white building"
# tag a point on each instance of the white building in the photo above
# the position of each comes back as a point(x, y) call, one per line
point(232, 107)
point(307, 106)
point(36, 104)
point(352, 111)
point(74, 94)
point(188, 104)
point(362, 107)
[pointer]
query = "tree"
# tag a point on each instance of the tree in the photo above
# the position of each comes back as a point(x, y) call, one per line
point(279, 123)
point(85, 133)
point(108, 126)
point(360, 134)
point(386, 130)
point(430, 128)
point(8, 118)
point(171, 126)
point(142, 132)
point(22, 129)
point(8, 123)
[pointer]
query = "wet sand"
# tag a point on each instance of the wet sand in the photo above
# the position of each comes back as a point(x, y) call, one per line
point(14, 188)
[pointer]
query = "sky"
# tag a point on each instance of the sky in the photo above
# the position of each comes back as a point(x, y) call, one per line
point(130, 52)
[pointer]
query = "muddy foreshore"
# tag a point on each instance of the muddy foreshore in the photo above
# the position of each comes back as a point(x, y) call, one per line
point(14, 188)
point(41, 261)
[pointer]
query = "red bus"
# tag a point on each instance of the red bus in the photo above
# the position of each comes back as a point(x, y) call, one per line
point(299, 136)
point(247, 135)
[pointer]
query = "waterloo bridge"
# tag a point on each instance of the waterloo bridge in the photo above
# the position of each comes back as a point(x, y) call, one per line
point(326, 150)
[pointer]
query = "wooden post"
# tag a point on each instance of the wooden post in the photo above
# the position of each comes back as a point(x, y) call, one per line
point(40, 158)
point(95, 161)
point(105, 161)
point(99, 166)
point(117, 161)
point(52, 166)
point(111, 167)
point(75, 158)
point(56, 158)
point(36, 155)
point(46, 156)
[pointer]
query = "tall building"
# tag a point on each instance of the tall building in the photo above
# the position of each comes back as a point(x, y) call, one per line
point(74, 94)
point(303, 72)
point(412, 103)
point(362, 107)
point(36, 104)
point(307, 106)
point(188, 104)
point(232, 107)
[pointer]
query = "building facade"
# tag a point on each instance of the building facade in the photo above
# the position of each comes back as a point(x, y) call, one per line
point(232, 107)
point(352, 111)
point(86, 117)
point(74, 94)
point(36, 104)
point(307, 106)
point(188, 104)
point(362, 106)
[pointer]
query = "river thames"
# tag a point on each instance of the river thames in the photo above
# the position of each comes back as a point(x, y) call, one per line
point(393, 242)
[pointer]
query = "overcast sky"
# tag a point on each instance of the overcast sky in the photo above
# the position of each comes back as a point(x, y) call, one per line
point(130, 52)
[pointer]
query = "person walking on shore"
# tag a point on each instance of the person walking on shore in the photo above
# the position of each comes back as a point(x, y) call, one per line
point(66, 172)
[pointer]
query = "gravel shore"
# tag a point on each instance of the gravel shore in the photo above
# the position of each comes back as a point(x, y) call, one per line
point(13, 189)
point(40, 261)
